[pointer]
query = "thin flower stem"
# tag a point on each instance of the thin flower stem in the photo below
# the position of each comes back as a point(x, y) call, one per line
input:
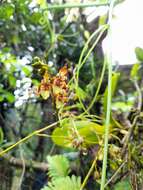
point(99, 86)
point(81, 62)
point(27, 137)
point(89, 172)
point(109, 97)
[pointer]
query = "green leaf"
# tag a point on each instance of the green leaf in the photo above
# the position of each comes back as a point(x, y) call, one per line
point(12, 80)
point(139, 53)
point(6, 11)
point(134, 71)
point(71, 131)
point(86, 34)
point(65, 183)
point(115, 77)
point(35, 82)
point(58, 166)
point(26, 70)
point(124, 106)
point(42, 3)
point(35, 17)
point(81, 93)
point(10, 97)
point(1, 98)
point(123, 185)
point(102, 19)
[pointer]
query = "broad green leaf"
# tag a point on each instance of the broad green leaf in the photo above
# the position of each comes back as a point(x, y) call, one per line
point(139, 53)
point(123, 185)
point(85, 129)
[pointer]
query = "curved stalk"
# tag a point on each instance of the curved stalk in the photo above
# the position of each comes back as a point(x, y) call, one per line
point(81, 63)
point(27, 137)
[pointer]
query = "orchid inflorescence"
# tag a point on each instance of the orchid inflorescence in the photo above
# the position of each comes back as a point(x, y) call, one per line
point(54, 86)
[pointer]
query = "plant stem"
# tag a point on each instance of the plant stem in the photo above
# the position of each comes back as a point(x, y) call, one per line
point(115, 174)
point(90, 171)
point(27, 137)
point(99, 86)
point(109, 97)
point(81, 62)
point(75, 5)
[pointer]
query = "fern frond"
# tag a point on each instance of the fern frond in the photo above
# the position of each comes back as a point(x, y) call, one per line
point(58, 166)
point(64, 183)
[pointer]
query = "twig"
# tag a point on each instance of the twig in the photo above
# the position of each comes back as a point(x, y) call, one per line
point(128, 136)
point(114, 175)
point(23, 167)
point(89, 172)
point(28, 163)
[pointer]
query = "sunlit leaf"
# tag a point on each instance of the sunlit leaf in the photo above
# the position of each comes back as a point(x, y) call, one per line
point(26, 70)
point(139, 53)
point(102, 19)
point(6, 11)
point(86, 129)
point(42, 3)
point(86, 34)
point(10, 97)
point(12, 80)
point(134, 71)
